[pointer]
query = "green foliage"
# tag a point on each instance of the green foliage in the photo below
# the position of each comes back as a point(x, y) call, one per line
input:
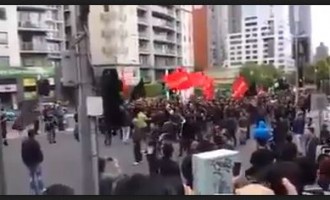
point(317, 72)
point(153, 89)
point(263, 75)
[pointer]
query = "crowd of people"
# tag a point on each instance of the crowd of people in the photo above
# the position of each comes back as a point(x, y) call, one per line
point(284, 162)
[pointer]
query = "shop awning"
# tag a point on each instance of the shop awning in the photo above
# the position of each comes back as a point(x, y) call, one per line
point(14, 72)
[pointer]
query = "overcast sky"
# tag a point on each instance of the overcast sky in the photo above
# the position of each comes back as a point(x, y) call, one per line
point(320, 25)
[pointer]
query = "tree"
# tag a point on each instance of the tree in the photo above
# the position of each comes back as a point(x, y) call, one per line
point(263, 75)
point(317, 72)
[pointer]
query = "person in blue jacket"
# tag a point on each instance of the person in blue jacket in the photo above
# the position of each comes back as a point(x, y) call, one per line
point(263, 132)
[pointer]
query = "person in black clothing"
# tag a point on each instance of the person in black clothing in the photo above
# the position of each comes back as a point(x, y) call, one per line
point(152, 157)
point(324, 134)
point(188, 135)
point(32, 157)
point(260, 159)
point(168, 167)
point(4, 127)
point(58, 189)
point(281, 131)
point(289, 150)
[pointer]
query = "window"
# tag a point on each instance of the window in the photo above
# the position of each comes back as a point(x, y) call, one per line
point(255, 57)
point(3, 38)
point(248, 57)
point(106, 8)
point(3, 14)
point(255, 51)
point(4, 60)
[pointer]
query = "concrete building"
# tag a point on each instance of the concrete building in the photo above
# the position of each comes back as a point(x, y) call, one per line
point(212, 24)
point(304, 28)
point(139, 40)
point(30, 36)
point(265, 38)
point(165, 39)
point(322, 52)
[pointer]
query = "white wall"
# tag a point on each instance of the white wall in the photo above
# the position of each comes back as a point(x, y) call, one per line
point(187, 36)
point(120, 46)
point(10, 26)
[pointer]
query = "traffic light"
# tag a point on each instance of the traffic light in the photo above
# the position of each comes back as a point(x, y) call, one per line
point(43, 87)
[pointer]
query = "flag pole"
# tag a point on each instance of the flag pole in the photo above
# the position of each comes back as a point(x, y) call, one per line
point(167, 92)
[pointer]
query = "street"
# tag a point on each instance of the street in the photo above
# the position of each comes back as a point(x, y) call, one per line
point(62, 162)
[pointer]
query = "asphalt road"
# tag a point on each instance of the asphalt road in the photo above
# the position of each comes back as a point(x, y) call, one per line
point(62, 162)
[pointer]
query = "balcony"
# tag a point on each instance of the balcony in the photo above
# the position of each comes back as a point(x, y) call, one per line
point(143, 7)
point(29, 26)
point(164, 38)
point(40, 8)
point(143, 36)
point(163, 25)
point(54, 36)
point(54, 55)
point(143, 21)
point(162, 11)
point(53, 7)
point(165, 52)
point(30, 47)
point(66, 8)
point(144, 50)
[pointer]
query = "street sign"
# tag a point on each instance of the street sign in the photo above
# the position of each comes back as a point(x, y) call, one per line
point(94, 106)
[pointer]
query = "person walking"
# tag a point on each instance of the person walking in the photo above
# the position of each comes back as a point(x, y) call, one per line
point(125, 129)
point(50, 125)
point(3, 124)
point(140, 125)
point(32, 157)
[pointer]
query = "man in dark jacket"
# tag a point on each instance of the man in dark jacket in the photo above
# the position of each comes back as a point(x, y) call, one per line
point(32, 158)
point(3, 124)
point(168, 167)
point(311, 144)
point(288, 151)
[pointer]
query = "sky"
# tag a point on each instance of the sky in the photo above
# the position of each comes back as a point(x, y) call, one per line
point(320, 25)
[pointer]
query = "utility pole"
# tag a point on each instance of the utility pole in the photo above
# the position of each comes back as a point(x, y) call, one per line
point(296, 48)
point(3, 188)
point(84, 90)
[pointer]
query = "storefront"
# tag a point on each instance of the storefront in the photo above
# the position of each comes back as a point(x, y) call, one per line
point(19, 83)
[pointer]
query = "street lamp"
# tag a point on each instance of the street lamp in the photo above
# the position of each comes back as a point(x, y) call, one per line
point(315, 76)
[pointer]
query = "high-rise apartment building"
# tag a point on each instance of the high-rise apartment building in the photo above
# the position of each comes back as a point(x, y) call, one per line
point(212, 24)
point(30, 36)
point(144, 40)
point(265, 38)
point(302, 29)
point(321, 53)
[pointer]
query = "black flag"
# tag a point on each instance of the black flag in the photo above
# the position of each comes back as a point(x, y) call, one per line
point(138, 91)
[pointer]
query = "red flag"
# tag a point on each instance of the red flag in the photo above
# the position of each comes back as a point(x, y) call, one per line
point(179, 79)
point(239, 87)
point(208, 88)
point(197, 79)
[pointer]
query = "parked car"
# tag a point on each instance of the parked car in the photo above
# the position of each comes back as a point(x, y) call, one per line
point(11, 115)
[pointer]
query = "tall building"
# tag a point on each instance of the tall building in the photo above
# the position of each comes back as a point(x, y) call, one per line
point(31, 36)
point(303, 26)
point(322, 52)
point(265, 38)
point(139, 40)
point(212, 24)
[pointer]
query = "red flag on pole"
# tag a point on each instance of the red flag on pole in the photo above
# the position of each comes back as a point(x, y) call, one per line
point(179, 80)
point(239, 87)
point(197, 79)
